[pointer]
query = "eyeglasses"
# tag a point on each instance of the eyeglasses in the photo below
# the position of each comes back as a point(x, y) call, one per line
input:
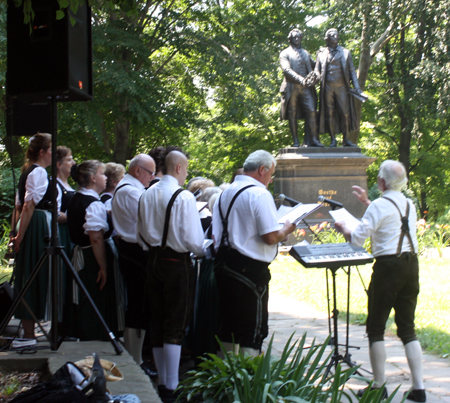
point(147, 170)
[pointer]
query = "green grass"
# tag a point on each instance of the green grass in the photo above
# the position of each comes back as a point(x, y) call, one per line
point(291, 279)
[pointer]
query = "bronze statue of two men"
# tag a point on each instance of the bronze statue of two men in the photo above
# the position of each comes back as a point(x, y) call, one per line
point(335, 71)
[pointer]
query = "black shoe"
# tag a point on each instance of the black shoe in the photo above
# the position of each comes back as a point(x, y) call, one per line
point(315, 143)
point(148, 370)
point(348, 143)
point(362, 391)
point(169, 396)
point(161, 390)
point(333, 143)
point(416, 395)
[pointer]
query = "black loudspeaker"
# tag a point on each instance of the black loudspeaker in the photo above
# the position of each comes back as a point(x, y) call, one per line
point(24, 119)
point(50, 58)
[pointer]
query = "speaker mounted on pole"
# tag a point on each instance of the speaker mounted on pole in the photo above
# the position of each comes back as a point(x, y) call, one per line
point(52, 58)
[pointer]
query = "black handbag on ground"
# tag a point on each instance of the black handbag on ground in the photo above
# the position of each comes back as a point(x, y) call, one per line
point(69, 385)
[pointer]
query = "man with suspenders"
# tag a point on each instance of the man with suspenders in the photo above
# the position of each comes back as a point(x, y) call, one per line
point(390, 221)
point(132, 258)
point(169, 223)
point(246, 234)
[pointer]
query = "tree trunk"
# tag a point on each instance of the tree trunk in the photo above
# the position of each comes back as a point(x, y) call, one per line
point(423, 203)
point(121, 133)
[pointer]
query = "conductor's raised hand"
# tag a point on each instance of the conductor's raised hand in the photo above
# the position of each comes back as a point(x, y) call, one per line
point(361, 195)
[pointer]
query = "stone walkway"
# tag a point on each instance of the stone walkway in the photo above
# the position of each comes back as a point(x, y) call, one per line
point(287, 316)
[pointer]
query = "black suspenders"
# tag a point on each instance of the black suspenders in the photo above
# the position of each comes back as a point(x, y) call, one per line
point(404, 228)
point(224, 240)
point(167, 219)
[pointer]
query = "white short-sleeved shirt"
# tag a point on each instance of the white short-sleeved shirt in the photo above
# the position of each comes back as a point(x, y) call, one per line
point(253, 214)
point(95, 213)
point(382, 222)
point(36, 186)
point(124, 207)
point(185, 229)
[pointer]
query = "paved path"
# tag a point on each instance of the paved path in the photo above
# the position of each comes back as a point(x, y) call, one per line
point(287, 315)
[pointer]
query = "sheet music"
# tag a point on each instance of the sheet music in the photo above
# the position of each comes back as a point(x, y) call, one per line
point(282, 210)
point(342, 215)
point(299, 212)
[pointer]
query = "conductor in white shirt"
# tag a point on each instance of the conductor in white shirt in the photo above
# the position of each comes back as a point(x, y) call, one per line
point(242, 263)
point(395, 277)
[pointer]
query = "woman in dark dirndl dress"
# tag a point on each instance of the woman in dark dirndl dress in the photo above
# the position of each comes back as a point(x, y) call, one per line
point(94, 257)
point(33, 228)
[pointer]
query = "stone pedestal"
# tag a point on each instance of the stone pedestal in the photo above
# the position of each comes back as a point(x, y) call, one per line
point(306, 173)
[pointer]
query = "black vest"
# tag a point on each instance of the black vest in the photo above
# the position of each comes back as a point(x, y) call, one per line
point(66, 196)
point(76, 213)
point(44, 203)
point(104, 197)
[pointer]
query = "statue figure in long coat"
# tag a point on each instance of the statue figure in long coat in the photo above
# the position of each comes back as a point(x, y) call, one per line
point(298, 94)
point(337, 112)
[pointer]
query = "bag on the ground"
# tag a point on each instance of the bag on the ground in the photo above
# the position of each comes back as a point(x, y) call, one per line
point(112, 373)
point(70, 385)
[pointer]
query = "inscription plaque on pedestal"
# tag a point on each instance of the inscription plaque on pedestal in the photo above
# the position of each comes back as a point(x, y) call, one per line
point(304, 174)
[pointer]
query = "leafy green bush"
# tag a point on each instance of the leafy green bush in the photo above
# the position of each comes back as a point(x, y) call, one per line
point(290, 378)
point(326, 234)
point(7, 192)
point(4, 241)
point(433, 235)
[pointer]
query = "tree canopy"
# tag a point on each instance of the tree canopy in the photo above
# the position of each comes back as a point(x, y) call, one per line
point(204, 75)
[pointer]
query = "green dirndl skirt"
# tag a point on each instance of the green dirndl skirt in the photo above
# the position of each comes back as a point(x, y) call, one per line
point(109, 301)
point(31, 250)
point(207, 311)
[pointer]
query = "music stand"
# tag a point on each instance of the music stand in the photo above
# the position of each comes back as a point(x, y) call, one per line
point(336, 358)
point(318, 256)
point(55, 251)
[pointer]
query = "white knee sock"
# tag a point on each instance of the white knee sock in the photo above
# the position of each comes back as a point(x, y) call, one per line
point(134, 340)
point(229, 347)
point(413, 353)
point(158, 356)
point(252, 352)
point(172, 354)
point(377, 354)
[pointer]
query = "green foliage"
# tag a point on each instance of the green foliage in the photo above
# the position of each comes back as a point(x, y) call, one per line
point(264, 378)
point(7, 192)
point(4, 241)
point(293, 377)
point(433, 235)
point(326, 234)
point(205, 76)
point(374, 192)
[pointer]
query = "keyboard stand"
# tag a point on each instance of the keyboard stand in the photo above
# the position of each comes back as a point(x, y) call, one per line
point(336, 358)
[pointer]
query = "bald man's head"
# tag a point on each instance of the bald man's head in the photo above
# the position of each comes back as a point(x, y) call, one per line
point(176, 166)
point(142, 167)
